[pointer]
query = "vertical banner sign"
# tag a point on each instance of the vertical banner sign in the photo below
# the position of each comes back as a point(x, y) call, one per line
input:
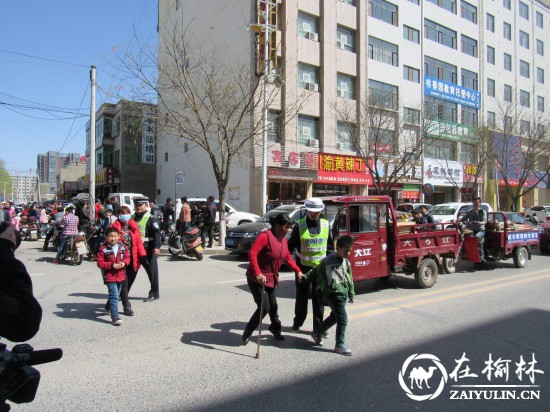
point(148, 135)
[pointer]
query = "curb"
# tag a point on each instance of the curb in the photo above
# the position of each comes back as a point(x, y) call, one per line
point(215, 250)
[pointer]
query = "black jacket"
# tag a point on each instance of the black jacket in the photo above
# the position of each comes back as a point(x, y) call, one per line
point(20, 312)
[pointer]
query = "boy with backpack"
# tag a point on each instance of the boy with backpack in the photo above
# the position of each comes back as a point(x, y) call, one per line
point(112, 259)
point(335, 284)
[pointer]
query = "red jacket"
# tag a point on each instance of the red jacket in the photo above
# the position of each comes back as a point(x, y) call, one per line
point(266, 257)
point(138, 250)
point(106, 259)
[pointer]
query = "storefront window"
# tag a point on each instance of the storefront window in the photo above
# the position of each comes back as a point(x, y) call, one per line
point(329, 190)
point(281, 193)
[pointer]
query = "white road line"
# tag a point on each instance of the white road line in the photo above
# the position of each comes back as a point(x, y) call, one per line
point(243, 279)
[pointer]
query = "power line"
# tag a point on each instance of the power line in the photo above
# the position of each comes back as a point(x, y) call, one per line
point(39, 104)
point(72, 124)
point(43, 58)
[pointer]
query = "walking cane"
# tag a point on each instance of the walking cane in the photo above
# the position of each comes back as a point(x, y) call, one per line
point(261, 320)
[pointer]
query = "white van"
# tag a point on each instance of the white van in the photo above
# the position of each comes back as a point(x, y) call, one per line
point(126, 199)
point(448, 212)
point(232, 216)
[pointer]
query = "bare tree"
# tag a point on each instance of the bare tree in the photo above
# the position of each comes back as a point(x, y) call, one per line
point(520, 150)
point(391, 147)
point(205, 97)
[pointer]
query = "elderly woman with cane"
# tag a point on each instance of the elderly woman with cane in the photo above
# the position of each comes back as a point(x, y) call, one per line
point(267, 255)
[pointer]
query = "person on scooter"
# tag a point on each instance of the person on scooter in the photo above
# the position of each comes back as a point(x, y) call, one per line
point(476, 218)
point(55, 221)
point(70, 228)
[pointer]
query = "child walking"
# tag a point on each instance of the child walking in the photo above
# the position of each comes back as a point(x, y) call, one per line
point(335, 284)
point(112, 259)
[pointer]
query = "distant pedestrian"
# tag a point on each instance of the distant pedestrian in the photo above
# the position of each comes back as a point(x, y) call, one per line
point(113, 259)
point(335, 281)
point(184, 218)
point(210, 211)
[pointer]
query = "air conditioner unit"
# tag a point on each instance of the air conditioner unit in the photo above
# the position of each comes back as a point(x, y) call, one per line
point(340, 93)
point(339, 146)
point(340, 45)
point(313, 143)
point(312, 86)
point(312, 36)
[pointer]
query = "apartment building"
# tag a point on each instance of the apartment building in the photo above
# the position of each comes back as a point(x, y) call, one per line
point(125, 149)
point(50, 164)
point(448, 64)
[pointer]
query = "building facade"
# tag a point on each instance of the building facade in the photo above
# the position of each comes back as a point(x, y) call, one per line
point(125, 149)
point(24, 189)
point(446, 66)
point(50, 164)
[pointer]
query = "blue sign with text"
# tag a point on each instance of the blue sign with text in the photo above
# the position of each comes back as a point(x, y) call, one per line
point(451, 92)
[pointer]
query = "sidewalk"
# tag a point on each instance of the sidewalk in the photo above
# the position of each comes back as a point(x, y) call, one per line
point(214, 250)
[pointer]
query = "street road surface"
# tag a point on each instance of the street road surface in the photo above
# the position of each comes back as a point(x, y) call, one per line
point(183, 352)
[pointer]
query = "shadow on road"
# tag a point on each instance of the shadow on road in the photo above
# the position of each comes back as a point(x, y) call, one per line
point(86, 311)
point(363, 383)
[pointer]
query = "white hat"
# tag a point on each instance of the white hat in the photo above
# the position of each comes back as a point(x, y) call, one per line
point(314, 204)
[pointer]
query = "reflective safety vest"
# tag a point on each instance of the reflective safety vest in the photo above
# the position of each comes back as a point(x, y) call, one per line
point(313, 248)
point(142, 225)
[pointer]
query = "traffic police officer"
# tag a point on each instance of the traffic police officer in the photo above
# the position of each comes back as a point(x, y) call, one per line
point(149, 230)
point(310, 237)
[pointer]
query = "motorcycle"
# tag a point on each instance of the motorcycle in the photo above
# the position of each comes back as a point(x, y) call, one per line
point(186, 244)
point(94, 239)
point(28, 228)
point(75, 249)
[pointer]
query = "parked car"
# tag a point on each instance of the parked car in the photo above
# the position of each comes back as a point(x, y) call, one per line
point(448, 212)
point(239, 239)
point(409, 207)
point(541, 212)
point(232, 216)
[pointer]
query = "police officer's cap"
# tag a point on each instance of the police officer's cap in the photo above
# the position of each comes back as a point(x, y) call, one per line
point(140, 199)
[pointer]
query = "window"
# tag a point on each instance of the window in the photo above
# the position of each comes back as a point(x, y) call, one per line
point(540, 20)
point(469, 45)
point(344, 136)
point(469, 79)
point(411, 116)
point(468, 12)
point(468, 116)
point(524, 98)
point(383, 51)
point(440, 149)
point(523, 69)
point(540, 103)
point(490, 87)
point(524, 127)
point(507, 62)
point(540, 130)
point(508, 93)
point(491, 120)
point(345, 38)
point(308, 77)
point(411, 74)
point(507, 4)
point(490, 55)
point(381, 140)
point(523, 39)
point(508, 123)
point(165, 156)
point(440, 69)
point(468, 153)
point(345, 86)
point(440, 34)
point(439, 109)
point(383, 10)
point(274, 126)
point(383, 95)
point(540, 75)
point(490, 22)
point(308, 130)
point(507, 31)
point(131, 156)
point(308, 26)
point(540, 47)
point(411, 34)
point(417, 2)
point(350, 2)
point(449, 5)
point(524, 10)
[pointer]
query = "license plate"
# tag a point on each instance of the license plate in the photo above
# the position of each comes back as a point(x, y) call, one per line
point(198, 248)
point(229, 242)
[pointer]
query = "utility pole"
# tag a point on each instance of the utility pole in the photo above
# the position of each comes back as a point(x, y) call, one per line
point(92, 144)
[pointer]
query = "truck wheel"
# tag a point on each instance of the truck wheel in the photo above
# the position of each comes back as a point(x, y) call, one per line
point(520, 257)
point(426, 274)
point(449, 265)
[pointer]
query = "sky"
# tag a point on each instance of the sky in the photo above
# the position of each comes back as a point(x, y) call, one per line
point(47, 49)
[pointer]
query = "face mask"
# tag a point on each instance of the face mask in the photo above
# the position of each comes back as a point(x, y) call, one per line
point(124, 218)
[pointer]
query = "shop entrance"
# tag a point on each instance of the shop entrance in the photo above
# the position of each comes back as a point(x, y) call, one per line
point(285, 193)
